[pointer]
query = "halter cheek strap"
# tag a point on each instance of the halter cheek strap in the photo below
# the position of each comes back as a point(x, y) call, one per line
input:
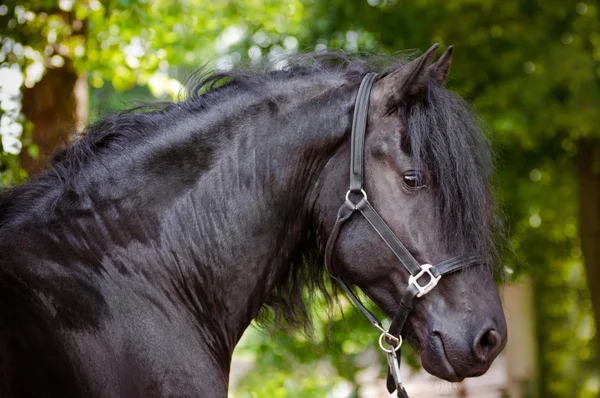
point(356, 200)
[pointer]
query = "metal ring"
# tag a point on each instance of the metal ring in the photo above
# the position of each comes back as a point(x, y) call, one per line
point(385, 334)
point(361, 191)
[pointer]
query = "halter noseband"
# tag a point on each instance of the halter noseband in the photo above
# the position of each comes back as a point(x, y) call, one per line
point(356, 200)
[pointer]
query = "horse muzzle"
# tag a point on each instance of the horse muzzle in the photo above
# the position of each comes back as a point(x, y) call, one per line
point(453, 358)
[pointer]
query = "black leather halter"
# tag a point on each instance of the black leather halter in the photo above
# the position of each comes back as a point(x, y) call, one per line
point(356, 200)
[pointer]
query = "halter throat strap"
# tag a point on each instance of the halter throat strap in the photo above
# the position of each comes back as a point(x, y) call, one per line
point(356, 201)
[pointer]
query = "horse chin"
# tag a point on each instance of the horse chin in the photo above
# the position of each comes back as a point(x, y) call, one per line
point(436, 362)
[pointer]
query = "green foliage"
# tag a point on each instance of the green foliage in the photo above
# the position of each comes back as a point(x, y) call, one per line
point(299, 366)
point(540, 196)
point(139, 42)
point(10, 172)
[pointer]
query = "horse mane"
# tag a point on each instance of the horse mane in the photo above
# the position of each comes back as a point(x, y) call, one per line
point(444, 135)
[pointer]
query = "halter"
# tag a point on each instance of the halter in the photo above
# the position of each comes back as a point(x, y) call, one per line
point(390, 340)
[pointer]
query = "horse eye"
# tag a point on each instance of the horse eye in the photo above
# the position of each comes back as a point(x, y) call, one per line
point(413, 181)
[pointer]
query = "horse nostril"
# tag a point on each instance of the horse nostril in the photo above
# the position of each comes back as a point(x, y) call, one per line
point(487, 345)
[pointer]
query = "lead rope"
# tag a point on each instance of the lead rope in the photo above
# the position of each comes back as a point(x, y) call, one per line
point(390, 341)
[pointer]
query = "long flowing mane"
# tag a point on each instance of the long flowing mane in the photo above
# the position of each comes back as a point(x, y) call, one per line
point(444, 135)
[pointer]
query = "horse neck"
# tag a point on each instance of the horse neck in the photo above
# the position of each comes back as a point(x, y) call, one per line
point(202, 216)
point(248, 215)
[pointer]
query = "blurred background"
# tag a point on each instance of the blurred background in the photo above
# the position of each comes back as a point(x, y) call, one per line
point(531, 68)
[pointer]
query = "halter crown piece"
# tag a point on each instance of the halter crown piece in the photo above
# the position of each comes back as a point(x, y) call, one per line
point(390, 340)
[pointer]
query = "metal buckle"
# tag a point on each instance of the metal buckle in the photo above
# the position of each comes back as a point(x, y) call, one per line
point(423, 290)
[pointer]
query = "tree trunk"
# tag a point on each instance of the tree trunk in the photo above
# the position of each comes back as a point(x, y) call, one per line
point(588, 170)
point(56, 106)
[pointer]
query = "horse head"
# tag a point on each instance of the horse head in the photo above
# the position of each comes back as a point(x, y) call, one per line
point(426, 173)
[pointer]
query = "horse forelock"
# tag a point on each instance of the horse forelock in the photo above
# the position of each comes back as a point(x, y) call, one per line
point(448, 139)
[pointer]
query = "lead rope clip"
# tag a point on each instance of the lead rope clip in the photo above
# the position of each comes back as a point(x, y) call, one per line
point(392, 358)
point(394, 366)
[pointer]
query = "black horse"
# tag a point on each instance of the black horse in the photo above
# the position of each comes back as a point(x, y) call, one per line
point(132, 266)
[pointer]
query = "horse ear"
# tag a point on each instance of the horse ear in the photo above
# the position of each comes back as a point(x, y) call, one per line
point(405, 82)
point(440, 69)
